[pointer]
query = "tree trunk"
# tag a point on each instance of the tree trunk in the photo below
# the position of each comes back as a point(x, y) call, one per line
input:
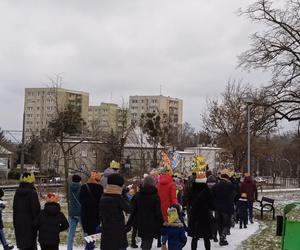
point(66, 170)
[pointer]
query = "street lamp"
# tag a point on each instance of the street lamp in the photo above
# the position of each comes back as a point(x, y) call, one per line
point(249, 101)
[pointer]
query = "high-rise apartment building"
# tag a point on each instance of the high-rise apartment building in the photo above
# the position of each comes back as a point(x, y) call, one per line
point(104, 117)
point(170, 106)
point(41, 106)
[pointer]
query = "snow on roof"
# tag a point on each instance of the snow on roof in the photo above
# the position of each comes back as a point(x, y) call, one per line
point(138, 139)
point(4, 151)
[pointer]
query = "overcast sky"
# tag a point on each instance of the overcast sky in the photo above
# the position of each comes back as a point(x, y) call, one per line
point(116, 48)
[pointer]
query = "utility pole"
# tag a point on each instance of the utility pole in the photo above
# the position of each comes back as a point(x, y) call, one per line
point(248, 101)
point(22, 145)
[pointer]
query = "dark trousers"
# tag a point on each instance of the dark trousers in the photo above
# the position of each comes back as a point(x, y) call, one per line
point(195, 243)
point(146, 243)
point(224, 223)
point(49, 247)
point(250, 210)
point(30, 248)
point(243, 221)
point(133, 235)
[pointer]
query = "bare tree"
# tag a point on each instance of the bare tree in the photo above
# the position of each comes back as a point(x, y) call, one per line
point(226, 120)
point(276, 48)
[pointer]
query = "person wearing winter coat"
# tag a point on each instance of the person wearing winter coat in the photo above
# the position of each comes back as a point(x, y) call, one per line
point(201, 205)
point(74, 209)
point(89, 198)
point(174, 229)
point(211, 181)
point(167, 193)
point(248, 186)
point(114, 168)
point(224, 193)
point(26, 208)
point(111, 210)
point(147, 213)
point(2, 235)
point(242, 210)
point(50, 222)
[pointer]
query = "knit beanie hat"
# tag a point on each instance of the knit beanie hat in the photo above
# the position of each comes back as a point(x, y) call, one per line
point(27, 178)
point(115, 179)
point(225, 176)
point(149, 181)
point(76, 178)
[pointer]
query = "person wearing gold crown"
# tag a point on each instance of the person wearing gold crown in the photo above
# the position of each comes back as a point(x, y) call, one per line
point(26, 208)
point(114, 168)
point(200, 203)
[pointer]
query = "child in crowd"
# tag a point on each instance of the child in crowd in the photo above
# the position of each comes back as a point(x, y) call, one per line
point(175, 229)
point(242, 210)
point(50, 222)
point(2, 236)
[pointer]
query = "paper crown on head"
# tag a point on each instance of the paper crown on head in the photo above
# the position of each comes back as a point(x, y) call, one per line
point(114, 164)
point(201, 177)
point(27, 178)
point(172, 215)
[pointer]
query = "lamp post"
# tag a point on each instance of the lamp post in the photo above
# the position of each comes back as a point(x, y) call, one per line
point(248, 101)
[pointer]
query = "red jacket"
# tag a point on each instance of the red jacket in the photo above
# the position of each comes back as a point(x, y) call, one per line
point(167, 193)
point(249, 187)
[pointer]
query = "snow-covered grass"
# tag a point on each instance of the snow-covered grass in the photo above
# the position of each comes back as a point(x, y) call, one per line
point(258, 236)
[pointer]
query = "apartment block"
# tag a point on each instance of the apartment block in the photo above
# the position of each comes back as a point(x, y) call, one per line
point(41, 105)
point(173, 107)
point(105, 117)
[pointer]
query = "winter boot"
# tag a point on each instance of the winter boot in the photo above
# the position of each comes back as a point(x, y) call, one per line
point(8, 247)
point(223, 241)
point(164, 247)
point(134, 245)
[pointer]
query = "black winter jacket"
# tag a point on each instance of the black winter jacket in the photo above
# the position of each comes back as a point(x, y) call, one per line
point(147, 213)
point(200, 204)
point(50, 222)
point(90, 207)
point(111, 210)
point(26, 208)
point(224, 194)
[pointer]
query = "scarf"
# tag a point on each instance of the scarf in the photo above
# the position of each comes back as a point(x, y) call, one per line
point(113, 189)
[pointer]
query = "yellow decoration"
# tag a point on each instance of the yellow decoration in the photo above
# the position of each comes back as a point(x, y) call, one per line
point(166, 162)
point(29, 179)
point(115, 164)
point(199, 164)
point(172, 215)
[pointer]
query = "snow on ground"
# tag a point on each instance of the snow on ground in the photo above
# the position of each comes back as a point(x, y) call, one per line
point(235, 239)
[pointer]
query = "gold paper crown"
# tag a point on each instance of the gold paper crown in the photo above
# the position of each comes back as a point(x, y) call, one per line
point(115, 164)
point(28, 179)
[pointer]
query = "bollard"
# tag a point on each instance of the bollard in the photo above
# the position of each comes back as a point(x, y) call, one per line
point(279, 225)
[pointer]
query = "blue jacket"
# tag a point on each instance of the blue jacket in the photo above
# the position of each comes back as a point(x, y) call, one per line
point(74, 205)
point(176, 236)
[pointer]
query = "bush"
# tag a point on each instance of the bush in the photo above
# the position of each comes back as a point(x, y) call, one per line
point(14, 175)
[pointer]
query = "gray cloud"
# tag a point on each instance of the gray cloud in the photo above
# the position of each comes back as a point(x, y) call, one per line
point(121, 48)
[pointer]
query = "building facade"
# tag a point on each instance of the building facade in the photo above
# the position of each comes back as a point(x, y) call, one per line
point(104, 118)
point(172, 107)
point(41, 106)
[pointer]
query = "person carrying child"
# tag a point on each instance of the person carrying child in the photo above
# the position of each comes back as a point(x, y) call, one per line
point(50, 222)
point(175, 229)
point(2, 236)
point(242, 210)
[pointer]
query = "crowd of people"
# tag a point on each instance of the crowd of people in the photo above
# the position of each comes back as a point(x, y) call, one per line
point(164, 206)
